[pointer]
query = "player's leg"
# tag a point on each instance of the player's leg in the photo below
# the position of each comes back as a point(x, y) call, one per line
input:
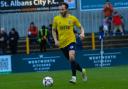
point(69, 53)
point(72, 62)
point(65, 52)
point(75, 66)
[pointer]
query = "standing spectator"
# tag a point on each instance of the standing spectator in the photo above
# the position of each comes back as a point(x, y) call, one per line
point(108, 10)
point(105, 26)
point(101, 33)
point(42, 38)
point(13, 40)
point(3, 41)
point(117, 22)
point(50, 38)
point(32, 32)
point(123, 23)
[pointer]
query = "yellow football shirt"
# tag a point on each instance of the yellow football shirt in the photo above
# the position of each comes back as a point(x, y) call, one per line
point(65, 29)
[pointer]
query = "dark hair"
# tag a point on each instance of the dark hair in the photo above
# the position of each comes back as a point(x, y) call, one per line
point(64, 3)
point(107, 0)
point(32, 23)
point(115, 12)
point(43, 27)
point(13, 29)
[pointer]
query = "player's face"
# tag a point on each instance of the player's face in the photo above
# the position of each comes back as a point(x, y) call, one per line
point(63, 10)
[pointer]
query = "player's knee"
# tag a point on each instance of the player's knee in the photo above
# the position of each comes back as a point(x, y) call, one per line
point(72, 55)
point(72, 58)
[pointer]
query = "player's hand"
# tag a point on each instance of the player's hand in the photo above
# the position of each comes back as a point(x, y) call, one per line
point(82, 36)
point(44, 37)
point(57, 43)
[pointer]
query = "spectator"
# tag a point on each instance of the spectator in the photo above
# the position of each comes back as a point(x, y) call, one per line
point(123, 21)
point(117, 22)
point(105, 26)
point(3, 41)
point(32, 32)
point(42, 38)
point(101, 33)
point(108, 10)
point(13, 40)
point(50, 38)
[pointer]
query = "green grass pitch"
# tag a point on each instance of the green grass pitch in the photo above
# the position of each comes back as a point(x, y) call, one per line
point(98, 78)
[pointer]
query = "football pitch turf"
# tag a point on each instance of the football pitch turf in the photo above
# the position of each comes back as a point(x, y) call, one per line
point(98, 78)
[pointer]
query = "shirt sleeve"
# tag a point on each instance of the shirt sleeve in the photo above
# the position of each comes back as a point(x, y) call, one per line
point(76, 22)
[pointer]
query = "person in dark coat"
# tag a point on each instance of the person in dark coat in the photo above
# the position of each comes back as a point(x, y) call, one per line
point(13, 40)
point(42, 38)
point(3, 41)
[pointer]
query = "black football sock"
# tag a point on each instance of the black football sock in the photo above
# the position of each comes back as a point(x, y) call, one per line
point(78, 67)
point(73, 67)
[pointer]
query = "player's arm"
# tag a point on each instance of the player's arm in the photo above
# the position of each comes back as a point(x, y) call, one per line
point(77, 23)
point(81, 32)
point(54, 33)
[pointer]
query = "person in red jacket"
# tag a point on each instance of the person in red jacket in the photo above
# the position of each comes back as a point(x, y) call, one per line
point(117, 22)
point(108, 10)
point(32, 32)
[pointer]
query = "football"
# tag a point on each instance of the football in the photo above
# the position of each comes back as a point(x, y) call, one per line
point(48, 81)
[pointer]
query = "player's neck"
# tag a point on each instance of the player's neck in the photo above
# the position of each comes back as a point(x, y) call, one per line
point(66, 15)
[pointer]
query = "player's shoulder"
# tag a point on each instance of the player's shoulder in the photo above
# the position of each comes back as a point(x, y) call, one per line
point(57, 17)
point(72, 16)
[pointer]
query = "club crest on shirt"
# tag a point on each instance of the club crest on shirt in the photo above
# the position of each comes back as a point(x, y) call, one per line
point(71, 47)
point(69, 21)
point(59, 22)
